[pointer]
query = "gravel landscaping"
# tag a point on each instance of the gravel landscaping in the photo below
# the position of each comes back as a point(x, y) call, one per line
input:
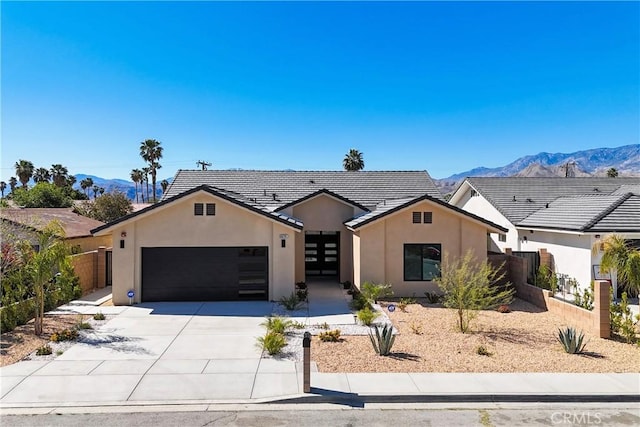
point(523, 340)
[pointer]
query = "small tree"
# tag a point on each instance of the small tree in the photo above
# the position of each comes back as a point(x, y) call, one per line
point(106, 208)
point(42, 195)
point(620, 257)
point(612, 173)
point(469, 285)
point(41, 267)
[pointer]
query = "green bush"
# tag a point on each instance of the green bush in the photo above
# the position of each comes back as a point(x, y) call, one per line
point(482, 351)
point(383, 339)
point(45, 350)
point(359, 302)
point(272, 342)
point(330, 336)
point(433, 298)
point(546, 279)
point(277, 324)
point(373, 292)
point(65, 335)
point(98, 316)
point(623, 323)
point(292, 302)
point(584, 299)
point(367, 316)
point(42, 195)
point(571, 341)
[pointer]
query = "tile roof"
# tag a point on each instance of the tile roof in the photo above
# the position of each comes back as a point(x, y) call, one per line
point(388, 207)
point(624, 218)
point(275, 189)
point(73, 224)
point(518, 197)
point(230, 196)
point(582, 213)
point(628, 188)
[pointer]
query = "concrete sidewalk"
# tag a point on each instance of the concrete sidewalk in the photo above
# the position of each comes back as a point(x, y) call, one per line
point(198, 354)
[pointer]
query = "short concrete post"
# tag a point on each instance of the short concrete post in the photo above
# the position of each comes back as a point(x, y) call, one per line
point(306, 363)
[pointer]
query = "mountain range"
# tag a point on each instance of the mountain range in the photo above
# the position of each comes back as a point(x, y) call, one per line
point(593, 162)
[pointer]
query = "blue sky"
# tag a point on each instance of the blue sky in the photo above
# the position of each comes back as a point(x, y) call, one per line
point(420, 85)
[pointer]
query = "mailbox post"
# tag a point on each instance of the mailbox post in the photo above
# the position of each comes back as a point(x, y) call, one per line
point(306, 363)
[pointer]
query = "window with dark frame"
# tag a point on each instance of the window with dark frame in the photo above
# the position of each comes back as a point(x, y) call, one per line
point(422, 261)
point(417, 217)
point(427, 217)
point(211, 209)
point(502, 237)
point(198, 209)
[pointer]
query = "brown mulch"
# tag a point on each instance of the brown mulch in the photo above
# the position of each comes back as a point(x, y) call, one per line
point(521, 341)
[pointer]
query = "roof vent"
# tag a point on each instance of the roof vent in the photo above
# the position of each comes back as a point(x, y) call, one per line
point(546, 205)
point(596, 190)
point(529, 201)
point(311, 181)
point(514, 198)
point(274, 196)
point(264, 192)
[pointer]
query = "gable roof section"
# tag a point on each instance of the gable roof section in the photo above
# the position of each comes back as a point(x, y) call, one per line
point(321, 192)
point(389, 207)
point(74, 225)
point(625, 217)
point(275, 189)
point(578, 213)
point(517, 197)
point(229, 196)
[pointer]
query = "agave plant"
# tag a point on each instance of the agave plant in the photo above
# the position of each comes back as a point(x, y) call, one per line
point(383, 339)
point(571, 341)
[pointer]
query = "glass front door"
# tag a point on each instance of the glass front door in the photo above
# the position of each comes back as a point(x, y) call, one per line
point(322, 253)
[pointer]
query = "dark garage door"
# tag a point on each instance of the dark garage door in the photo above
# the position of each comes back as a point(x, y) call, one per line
point(204, 274)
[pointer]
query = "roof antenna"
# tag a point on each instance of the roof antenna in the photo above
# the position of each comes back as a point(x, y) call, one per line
point(514, 198)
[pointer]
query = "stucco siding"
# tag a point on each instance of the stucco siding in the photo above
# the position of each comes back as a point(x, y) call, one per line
point(478, 205)
point(176, 225)
point(382, 245)
point(325, 213)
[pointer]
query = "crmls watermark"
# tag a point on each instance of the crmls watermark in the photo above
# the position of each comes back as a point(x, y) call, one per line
point(576, 418)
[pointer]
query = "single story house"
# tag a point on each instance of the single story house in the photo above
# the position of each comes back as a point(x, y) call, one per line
point(235, 234)
point(24, 223)
point(565, 216)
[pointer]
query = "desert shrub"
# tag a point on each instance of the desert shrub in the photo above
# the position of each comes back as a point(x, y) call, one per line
point(504, 308)
point(291, 303)
point(373, 292)
point(546, 279)
point(481, 350)
point(272, 342)
point(433, 298)
point(469, 286)
point(572, 341)
point(84, 325)
point(330, 336)
point(623, 323)
point(383, 339)
point(584, 299)
point(346, 284)
point(45, 350)
point(277, 324)
point(416, 328)
point(367, 316)
point(65, 335)
point(324, 326)
point(404, 302)
point(302, 294)
point(359, 302)
point(98, 316)
point(298, 325)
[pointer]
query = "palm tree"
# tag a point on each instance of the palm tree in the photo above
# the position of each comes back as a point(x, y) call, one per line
point(59, 174)
point(353, 160)
point(95, 189)
point(13, 183)
point(24, 171)
point(612, 173)
point(151, 152)
point(619, 257)
point(101, 190)
point(3, 186)
point(71, 180)
point(85, 184)
point(41, 175)
point(145, 179)
point(164, 184)
point(136, 177)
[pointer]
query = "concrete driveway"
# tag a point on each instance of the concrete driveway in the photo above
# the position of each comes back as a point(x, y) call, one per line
point(159, 352)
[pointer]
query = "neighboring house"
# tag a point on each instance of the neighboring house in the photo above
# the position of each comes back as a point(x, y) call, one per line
point(565, 216)
point(228, 235)
point(23, 223)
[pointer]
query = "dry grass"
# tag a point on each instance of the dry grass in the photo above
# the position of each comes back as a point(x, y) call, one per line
point(521, 341)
